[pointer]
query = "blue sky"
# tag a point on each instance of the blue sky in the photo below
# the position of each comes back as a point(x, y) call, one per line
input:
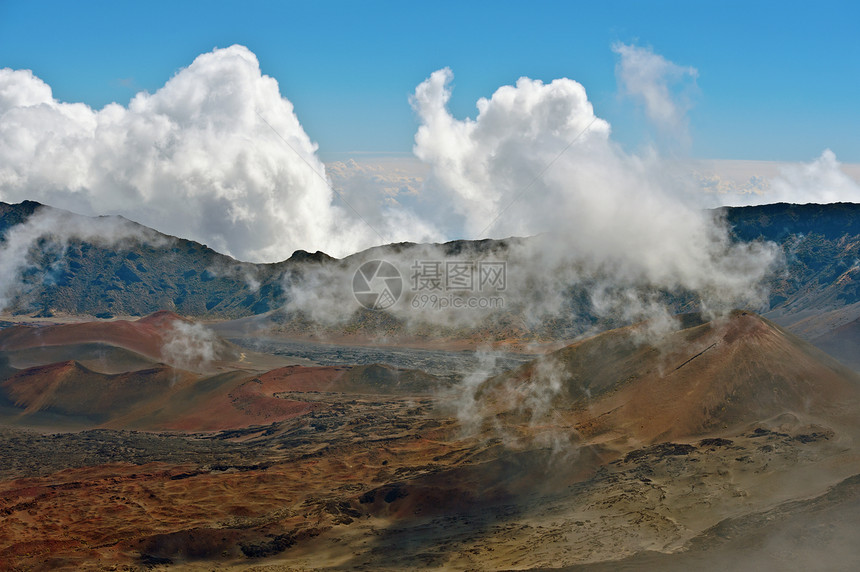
point(776, 80)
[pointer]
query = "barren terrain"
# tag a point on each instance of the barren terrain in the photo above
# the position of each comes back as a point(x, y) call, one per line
point(577, 459)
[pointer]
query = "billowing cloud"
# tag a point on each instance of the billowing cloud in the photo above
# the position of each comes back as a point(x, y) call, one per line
point(195, 159)
point(537, 161)
point(537, 158)
point(478, 166)
point(819, 181)
point(190, 345)
point(662, 86)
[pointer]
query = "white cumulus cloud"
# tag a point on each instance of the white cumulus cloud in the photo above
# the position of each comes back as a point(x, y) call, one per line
point(193, 159)
point(478, 166)
point(536, 160)
point(196, 159)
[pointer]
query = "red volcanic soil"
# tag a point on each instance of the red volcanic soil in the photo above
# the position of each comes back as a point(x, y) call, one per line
point(144, 336)
point(162, 397)
point(244, 402)
point(698, 380)
point(167, 398)
point(265, 397)
point(94, 517)
point(156, 398)
point(299, 378)
point(377, 477)
point(375, 379)
point(70, 390)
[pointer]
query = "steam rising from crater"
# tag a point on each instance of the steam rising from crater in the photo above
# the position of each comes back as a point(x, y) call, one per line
point(190, 346)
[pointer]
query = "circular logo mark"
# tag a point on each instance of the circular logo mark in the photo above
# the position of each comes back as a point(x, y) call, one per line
point(377, 285)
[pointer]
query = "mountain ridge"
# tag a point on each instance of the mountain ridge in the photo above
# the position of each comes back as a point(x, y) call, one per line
point(820, 244)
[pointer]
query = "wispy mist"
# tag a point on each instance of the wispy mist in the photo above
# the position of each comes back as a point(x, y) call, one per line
point(190, 346)
point(663, 87)
point(39, 245)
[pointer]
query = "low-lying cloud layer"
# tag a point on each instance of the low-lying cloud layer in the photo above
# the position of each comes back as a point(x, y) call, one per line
point(741, 183)
point(819, 181)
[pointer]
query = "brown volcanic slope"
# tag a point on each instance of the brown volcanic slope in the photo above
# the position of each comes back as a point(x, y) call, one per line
point(122, 346)
point(706, 378)
point(227, 401)
point(818, 533)
point(230, 400)
point(374, 379)
point(358, 470)
point(97, 356)
point(144, 336)
point(68, 394)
